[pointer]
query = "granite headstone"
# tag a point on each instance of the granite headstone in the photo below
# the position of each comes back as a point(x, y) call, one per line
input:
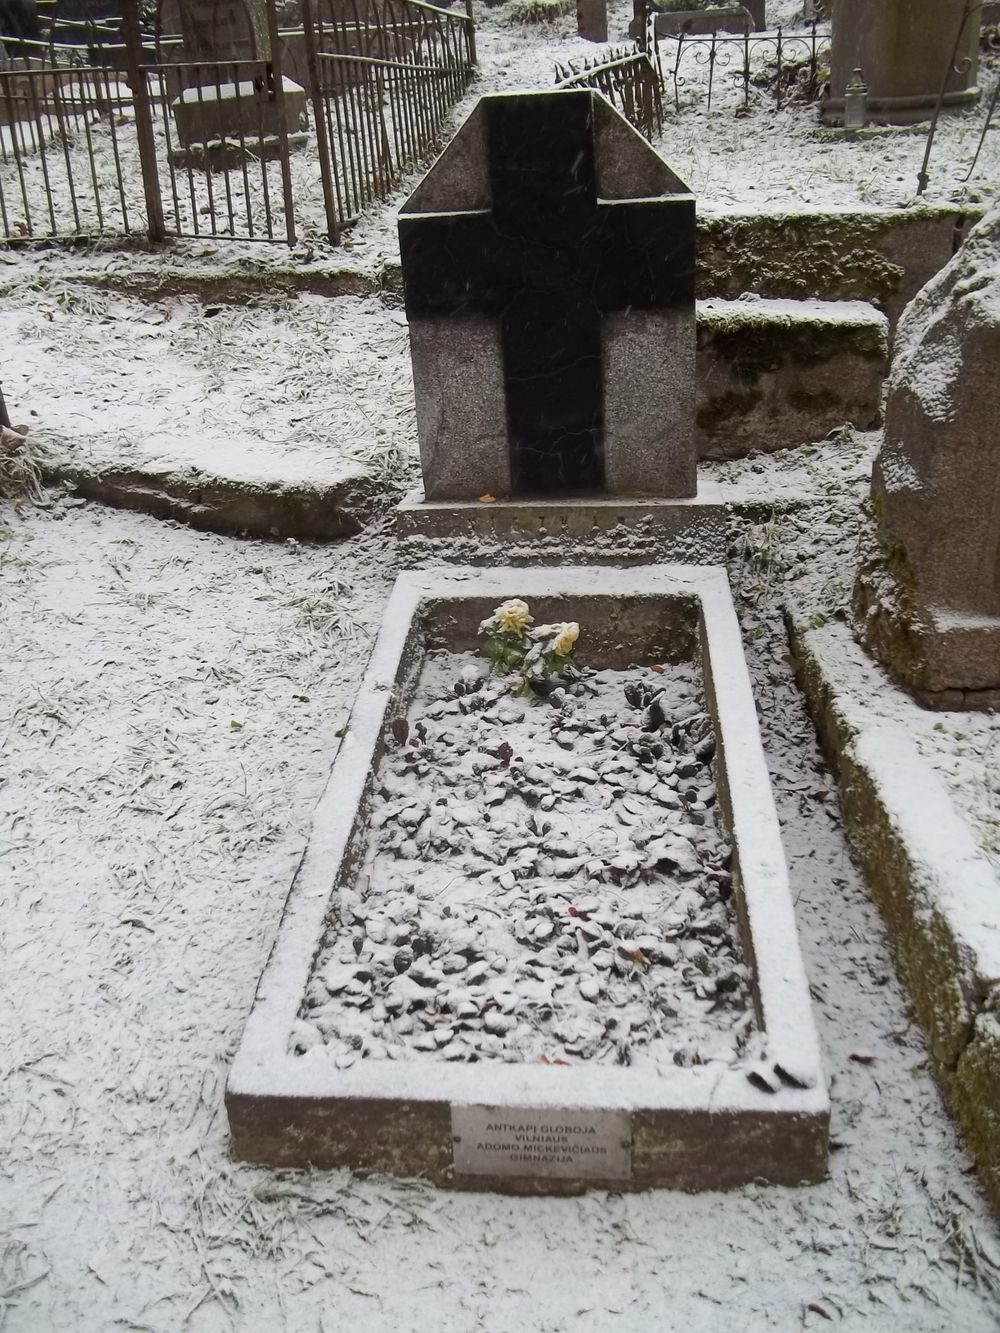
point(548, 274)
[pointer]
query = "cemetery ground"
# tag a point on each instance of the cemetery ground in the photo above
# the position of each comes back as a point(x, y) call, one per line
point(171, 701)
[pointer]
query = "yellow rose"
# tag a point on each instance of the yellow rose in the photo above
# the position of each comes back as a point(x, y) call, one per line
point(513, 616)
point(566, 638)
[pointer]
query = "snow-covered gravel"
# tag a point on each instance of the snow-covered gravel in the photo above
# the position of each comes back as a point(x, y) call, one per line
point(483, 926)
point(170, 705)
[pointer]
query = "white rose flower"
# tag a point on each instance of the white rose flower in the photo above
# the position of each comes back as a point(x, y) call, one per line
point(565, 639)
point(512, 617)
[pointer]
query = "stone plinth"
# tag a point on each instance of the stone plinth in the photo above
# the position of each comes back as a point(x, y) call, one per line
point(707, 1127)
point(929, 604)
point(903, 48)
point(596, 531)
point(236, 112)
point(548, 261)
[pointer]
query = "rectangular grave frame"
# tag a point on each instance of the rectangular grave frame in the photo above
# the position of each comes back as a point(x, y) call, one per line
point(693, 1128)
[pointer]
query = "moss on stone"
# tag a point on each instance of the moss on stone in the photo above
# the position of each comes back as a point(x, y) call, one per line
point(839, 256)
point(745, 340)
point(724, 407)
point(975, 1098)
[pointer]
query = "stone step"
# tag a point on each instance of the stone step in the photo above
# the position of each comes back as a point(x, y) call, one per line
point(773, 373)
point(881, 255)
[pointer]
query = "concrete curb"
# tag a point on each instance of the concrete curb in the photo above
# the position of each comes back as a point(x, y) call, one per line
point(312, 510)
point(938, 895)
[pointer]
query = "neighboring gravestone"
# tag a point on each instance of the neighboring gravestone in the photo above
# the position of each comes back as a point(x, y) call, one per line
point(903, 49)
point(548, 274)
point(592, 19)
point(225, 100)
point(221, 30)
point(929, 605)
point(692, 21)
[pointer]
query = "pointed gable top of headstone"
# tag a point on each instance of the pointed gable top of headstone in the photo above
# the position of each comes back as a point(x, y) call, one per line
point(626, 166)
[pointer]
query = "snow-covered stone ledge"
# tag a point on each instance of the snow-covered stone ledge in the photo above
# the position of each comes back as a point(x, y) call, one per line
point(708, 1126)
point(938, 894)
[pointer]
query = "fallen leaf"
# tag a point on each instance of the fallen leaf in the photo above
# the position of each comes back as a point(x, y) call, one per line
point(816, 1308)
point(487, 499)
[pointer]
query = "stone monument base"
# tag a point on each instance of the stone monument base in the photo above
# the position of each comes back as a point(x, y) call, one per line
point(551, 531)
point(945, 659)
point(901, 110)
point(235, 112)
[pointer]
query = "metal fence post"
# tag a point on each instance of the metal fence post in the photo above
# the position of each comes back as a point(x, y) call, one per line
point(143, 120)
point(319, 122)
point(470, 34)
point(278, 91)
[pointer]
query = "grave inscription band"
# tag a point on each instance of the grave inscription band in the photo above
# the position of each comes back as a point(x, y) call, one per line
point(553, 1144)
point(548, 261)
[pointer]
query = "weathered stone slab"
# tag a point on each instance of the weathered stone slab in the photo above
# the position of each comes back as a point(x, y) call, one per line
point(883, 256)
point(928, 604)
point(689, 1127)
point(546, 249)
point(569, 532)
point(238, 111)
point(778, 373)
point(937, 893)
point(704, 22)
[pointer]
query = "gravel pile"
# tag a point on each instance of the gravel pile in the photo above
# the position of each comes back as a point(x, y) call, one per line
point(547, 879)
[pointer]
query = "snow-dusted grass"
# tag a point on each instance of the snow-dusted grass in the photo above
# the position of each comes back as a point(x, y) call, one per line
point(277, 386)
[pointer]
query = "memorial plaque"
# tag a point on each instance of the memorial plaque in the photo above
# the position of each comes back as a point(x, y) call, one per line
point(540, 1141)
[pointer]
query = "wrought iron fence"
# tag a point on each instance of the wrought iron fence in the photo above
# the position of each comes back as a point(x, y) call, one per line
point(311, 122)
point(628, 78)
point(789, 66)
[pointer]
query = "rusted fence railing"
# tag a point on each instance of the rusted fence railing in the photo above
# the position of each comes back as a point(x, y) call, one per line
point(385, 77)
point(791, 66)
point(124, 132)
point(628, 79)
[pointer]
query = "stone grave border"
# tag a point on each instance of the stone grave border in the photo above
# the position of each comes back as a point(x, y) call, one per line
point(938, 895)
point(693, 1128)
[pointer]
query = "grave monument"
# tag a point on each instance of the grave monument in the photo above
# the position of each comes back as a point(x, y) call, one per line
point(548, 276)
point(548, 270)
point(929, 604)
point(230, 93)
point(904, 48)
point(592, 19)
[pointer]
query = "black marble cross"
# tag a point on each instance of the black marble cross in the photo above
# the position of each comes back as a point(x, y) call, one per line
point(548, 261)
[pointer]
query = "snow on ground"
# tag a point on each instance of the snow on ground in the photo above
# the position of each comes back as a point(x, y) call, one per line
point(282, 386)
point(171, 702)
